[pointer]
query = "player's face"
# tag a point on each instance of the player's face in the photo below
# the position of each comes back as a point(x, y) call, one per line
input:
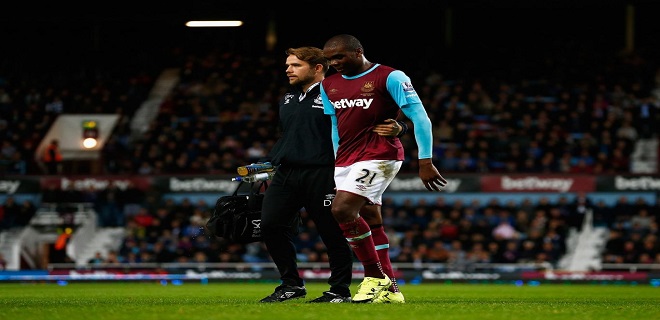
point(344, 61)
point(298, 71)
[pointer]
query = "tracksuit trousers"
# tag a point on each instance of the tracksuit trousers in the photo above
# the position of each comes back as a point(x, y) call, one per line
point(313, 189)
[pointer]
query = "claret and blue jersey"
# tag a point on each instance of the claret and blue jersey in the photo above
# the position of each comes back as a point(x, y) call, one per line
point(361, 102)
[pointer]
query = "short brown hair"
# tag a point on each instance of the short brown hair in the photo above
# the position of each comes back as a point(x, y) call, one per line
point(312, 55)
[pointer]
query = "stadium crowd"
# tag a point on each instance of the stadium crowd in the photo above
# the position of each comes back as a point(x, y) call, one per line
point(221, 114)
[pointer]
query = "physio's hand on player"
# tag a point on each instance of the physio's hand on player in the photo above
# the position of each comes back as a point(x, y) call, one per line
point(432, 179)
point(390, 128)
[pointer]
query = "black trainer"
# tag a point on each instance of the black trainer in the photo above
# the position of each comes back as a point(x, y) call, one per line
point(285, 293)
point(331, 297)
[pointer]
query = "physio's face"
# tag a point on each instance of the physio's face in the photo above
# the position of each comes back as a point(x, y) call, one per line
point(298, 71)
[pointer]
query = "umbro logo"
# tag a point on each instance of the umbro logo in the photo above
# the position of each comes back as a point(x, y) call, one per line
point(328, 199)
point(287, 295)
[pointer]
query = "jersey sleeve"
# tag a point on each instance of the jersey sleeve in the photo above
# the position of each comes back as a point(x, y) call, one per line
point(335, 133)
point(402, 91)
point(329, 109)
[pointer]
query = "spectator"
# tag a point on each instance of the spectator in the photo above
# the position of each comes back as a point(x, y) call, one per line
point(457, 257)
point(527, 252)
point(504, 231)
point(52, 157)
point(162, 253)
point(548, 253)
point(577, 211)
point(478, 254)
point(27, 210)
point(630, 252)
point(642, 219)
point(510, 254)
point(11, 212)
point(110, 207)
point(143, 218)
point(96, 259)
point(55, 106)
point(614, 247)
point(437, 252)
point(3, 263)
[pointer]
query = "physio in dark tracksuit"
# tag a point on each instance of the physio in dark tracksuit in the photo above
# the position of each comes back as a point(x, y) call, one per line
point(304, 178)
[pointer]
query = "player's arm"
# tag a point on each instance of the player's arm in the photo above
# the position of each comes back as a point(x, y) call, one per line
point(421, 127)
point(400, 88)
point(429, 174)
point(335, 133)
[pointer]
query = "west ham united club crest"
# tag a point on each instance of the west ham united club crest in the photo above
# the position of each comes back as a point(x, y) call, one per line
point(368, 86)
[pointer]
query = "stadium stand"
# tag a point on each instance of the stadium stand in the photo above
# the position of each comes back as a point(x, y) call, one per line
point(215, 110)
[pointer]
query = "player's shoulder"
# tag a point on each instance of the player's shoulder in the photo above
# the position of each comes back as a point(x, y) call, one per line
point(331, 78)
point(384, 68)
point(388, 72)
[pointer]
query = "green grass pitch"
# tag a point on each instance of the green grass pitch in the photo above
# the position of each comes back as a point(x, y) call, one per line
point(222, 300)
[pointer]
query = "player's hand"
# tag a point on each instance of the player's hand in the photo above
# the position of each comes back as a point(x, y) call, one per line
point(430, 176)
point(389, 129)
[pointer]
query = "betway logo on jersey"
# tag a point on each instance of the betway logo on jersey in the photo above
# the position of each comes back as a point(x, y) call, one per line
point(350, 103)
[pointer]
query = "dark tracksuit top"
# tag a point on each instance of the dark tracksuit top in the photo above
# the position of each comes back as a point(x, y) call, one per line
point(304, 179)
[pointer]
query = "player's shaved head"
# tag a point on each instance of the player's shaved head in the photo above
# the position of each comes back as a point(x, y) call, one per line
point(346, 41)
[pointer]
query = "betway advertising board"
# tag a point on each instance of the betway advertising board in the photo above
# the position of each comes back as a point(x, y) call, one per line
point(540, 183)
point(460, 183)
point(628, 183)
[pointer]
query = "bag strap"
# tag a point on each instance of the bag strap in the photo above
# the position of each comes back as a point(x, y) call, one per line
point(257, 189)
point(237, 188)
point(253, 188)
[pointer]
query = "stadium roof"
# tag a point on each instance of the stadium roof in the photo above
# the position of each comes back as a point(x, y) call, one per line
point(407, 27)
